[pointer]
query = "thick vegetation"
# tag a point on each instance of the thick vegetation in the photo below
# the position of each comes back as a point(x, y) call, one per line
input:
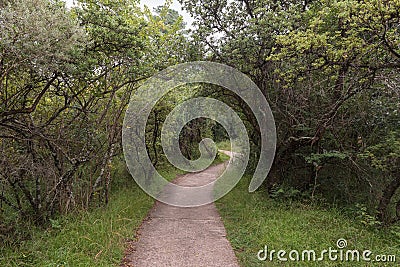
point(329, 70)
point(66, 77)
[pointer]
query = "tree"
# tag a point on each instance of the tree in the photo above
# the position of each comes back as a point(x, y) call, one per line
point(39, 43)
point(321, 66)
point(170, 17)
point(66, 79)
point(355, 45)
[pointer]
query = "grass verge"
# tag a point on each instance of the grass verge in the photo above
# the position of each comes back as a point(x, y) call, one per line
point(253, 221)
point(94, 238)
point(224, 145)
point(90, 238)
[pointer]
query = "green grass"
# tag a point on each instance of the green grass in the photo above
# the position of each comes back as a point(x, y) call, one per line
point(222, 157)
point(253, 221)
point(224, 145)
point(94, 238)
point(90, 238)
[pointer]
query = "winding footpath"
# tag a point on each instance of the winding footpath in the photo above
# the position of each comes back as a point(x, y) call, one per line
point(183, 237)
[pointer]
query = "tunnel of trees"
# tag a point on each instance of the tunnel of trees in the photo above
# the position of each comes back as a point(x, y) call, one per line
point(329, 70)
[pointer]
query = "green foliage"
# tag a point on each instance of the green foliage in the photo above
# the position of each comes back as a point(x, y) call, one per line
point(320, 158)
point(285, 194)
point(169, 17)
point(95, 238)
point(224, 145)
point(55, 224)
point(386, 154)
point(329, 70)
point(365, 218)
point(253, 221)
point(38, 35)
point(66, 77)
point(222, 157)
point(341, 32)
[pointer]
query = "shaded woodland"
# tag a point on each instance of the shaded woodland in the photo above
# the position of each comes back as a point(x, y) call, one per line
point(329, 70)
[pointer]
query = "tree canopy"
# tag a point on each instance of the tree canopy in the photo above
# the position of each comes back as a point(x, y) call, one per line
point(329, 70)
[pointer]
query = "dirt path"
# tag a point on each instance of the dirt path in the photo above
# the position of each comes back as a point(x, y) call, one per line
point(183, 237)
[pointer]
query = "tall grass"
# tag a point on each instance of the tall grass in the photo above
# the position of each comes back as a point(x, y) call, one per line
point(94, 238)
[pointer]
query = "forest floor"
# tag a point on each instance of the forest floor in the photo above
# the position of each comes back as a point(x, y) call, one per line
point(177, 236)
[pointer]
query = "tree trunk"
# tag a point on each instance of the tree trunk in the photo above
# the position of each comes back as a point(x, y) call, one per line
point(387, 195)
